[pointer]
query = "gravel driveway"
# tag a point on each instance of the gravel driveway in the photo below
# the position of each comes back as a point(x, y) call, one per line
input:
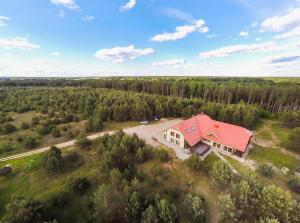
point(152, 134)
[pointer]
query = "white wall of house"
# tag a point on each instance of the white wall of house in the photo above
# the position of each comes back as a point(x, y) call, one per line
point(175, 137)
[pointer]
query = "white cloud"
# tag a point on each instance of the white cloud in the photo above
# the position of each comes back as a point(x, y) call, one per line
point(169, 63)
point(129, 5)
point(70, 4)
point(122, 54)
point(18, 43)
point(243, 33)
point(182, 31)
point(282, 23)
point(234, 49)
point(55, 54)
point(88, 18)
point(294, 33)
point(4, 20)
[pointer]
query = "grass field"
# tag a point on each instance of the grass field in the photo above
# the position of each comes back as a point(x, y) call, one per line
point(280, 132)
point(283, 79)
point(271, 133)
point(274, 156)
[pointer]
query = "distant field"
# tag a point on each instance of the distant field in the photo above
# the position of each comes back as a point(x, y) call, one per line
point(284, 79)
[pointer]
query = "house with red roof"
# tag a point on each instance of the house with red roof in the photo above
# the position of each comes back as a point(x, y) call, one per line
point(199, 133)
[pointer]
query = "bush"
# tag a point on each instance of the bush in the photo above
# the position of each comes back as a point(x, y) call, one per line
point(53, 160)
point(21, 210)
point(79, 185)
point(45, 129)
point(8, 128)
point(6, 147)
point(194, 162)
point(167, 211)
point(35, 120)
point(72, 134)
point(29, 142)
point(266, 170)
point(55, 132)
point(73, 159)
point(221, 174)
point(161, 155)
point(25, 125)
point(4, 171)
point(294, 183)
point(59, 200)
point(82, 142)
point(142, 154)
point(194, 207)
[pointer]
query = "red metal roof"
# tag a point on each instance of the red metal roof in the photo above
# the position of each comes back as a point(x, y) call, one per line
point(202, 126)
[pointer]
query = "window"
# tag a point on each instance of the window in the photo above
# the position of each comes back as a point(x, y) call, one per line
point(225, 148)
point(172, 133)
point(219, 146)
point(177, 136)
point(177, 142)
point(215, 144)
point(230, 150)
point(172, 140)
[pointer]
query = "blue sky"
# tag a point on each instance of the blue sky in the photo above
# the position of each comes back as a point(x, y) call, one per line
point(149, 37)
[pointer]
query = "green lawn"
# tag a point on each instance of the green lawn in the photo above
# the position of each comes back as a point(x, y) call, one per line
point(242, 169)
point(293, 80)
point(280, 132)
point(273, 155)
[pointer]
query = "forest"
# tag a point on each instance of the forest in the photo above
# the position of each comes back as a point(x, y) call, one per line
point(69, 104)
point(270, 95)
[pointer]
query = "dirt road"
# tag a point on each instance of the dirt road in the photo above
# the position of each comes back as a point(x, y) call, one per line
point(61, 146)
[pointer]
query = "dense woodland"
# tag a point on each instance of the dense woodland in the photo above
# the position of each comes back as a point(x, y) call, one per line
point(71, 104)
point(274, 97)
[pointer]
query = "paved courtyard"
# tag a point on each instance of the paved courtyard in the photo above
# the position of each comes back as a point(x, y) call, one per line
point(153, 135)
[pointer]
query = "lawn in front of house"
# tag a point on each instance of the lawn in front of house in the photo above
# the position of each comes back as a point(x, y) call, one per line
point(274, 156)
point(282, 133)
